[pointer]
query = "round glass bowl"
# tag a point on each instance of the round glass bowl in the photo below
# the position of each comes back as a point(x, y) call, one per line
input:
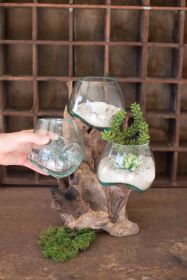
point(95, 100)
point(132, 165)
point(64, 153)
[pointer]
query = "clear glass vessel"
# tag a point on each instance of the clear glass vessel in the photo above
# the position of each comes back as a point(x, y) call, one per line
point(132, 165)
point(64, 153)
point(95, 100)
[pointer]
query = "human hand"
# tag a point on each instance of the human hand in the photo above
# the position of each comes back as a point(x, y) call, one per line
point(15, 147)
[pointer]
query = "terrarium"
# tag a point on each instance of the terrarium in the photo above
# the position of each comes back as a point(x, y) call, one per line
point(64, 153)
point(127, 158)
point(95, 100)
point(82, 200)
point(132, 165)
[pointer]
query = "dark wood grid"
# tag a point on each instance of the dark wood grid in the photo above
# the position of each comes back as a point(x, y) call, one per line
point(155, 66)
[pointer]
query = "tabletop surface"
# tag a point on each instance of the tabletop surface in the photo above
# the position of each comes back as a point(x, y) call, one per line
point(159, 251)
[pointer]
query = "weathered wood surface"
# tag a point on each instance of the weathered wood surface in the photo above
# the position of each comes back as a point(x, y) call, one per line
point(158, 252)
point(84, 202)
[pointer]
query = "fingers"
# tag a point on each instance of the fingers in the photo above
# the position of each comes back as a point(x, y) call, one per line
point(34, 168)
point(27, 136)
point(52, 135)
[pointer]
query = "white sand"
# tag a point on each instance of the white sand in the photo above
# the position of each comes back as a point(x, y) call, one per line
point(58, 158)
point(141, 178)
point(98, 114)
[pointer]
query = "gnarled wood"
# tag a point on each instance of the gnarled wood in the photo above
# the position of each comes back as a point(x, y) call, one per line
point(84, 202)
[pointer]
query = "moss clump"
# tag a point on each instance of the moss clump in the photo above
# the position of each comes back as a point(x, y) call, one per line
point(136, 133)
point(62, 244)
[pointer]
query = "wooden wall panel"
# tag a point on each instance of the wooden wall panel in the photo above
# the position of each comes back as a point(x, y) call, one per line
point(45, 46)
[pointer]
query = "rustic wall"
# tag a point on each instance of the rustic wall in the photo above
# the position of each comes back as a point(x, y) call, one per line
point(43, 50)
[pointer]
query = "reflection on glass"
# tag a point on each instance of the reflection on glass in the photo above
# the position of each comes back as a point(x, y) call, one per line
point(95, 101)
point(127, 164)
point(64, 153)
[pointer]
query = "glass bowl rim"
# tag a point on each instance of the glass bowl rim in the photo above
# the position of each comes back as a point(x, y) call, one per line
point(129, 145)
point(97, 79)
point(56, 119)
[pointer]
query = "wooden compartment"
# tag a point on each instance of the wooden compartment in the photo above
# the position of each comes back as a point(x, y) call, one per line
point(94, 19)
point(88, 60)
point(57, 28)
point(2, 60)
point(17, 60)
point(53, 95)
point(126, 2)
point(183, 132)
point(51, 45)
point(183, 104)
point(21, 173)
point(55, 1)
point(166, 3)
point(131, 92)
point(163, 31)
point(160, 98)
point(17, 95)
point(125, 25)
point(18, 24)
point(125, 61)
point(89, 2)
point(18, 1)
point(163, 165)
point(17, 123)
point(184, 72)
point(185, 27)
point(181, 168)
point(47, 180)
point(162, 131)
point(162, 62)
point(52, 60)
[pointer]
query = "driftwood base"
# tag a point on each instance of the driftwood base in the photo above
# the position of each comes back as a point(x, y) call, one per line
point(83, 202)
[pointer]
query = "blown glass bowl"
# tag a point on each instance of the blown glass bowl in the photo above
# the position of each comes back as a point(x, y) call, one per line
point(64, 153)
point(95, 100)
point(132, 165)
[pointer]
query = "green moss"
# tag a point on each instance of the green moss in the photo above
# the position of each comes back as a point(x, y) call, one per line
point(135, 134)
point(62, 244)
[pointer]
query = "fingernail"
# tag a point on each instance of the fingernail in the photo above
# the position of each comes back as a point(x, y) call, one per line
point(45, 139)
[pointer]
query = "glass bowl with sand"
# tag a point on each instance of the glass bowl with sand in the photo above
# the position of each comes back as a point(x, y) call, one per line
point(94, 100)
point(132, 165)
point(64, 153)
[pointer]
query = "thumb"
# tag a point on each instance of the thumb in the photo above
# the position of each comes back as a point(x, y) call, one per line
point(30, 137)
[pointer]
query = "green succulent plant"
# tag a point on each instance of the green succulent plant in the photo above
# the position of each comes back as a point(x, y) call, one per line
point(130, 162)
point(62, 244)
point(137, 133)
